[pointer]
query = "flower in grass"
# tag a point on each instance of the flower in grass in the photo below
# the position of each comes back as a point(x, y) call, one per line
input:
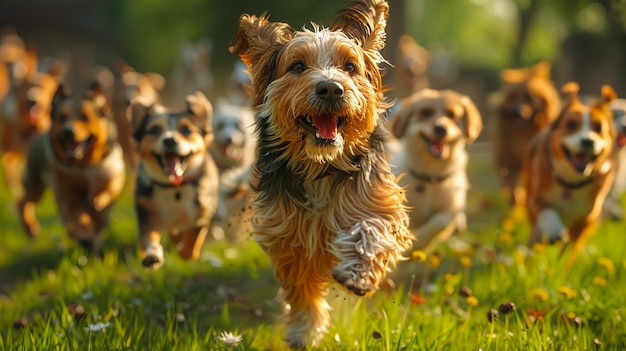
point(417, 299)
point(492, 315)
point(539, 248)
point(508, 224)
point(506, 238)
point(97, 326)
point(465, 291)
point(600, 281)
point(471, 301)
point(535, 315)
point(507, 307)
point(465, 261)
point(567, 292)
point(229, 338)
point(538, 294)
point(434, 260)
point(607, 264)
point(418, 255)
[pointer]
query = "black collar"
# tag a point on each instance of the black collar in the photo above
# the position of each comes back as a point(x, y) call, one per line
point(577, 185)
point(431, 178)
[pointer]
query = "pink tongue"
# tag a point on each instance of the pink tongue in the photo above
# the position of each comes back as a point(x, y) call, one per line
point(326, 126)
point(174, 169)
point(580, 161)
point(437, 147)
point(621, 140)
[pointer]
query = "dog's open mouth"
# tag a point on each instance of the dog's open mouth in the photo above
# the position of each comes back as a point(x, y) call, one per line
point(436, 147)
point(173, 166)
point(75, 150)
point(324, 127)
point(579, 160)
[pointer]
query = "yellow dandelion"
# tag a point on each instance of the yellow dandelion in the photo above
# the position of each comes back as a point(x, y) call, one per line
point(600, 281)
point(508, 225)
point(434, 261)
point(506, 238)
point(519, 213)
point(465, 261)
point(448, 277)
point(539, 248)
point(567, 292)
point(472, 301)
point(607, 264)
point(519, 257)
point(418, 255)
point(538, 294)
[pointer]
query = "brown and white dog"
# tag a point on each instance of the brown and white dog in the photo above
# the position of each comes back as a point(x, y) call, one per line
point(327, 207)
point(82, 163)
point(433, 127)
point(569, 170)
point(528, 103)
point(177, 180)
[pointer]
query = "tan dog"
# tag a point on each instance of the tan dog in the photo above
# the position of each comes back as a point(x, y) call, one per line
point(327, 207)
point(528, 103)
point(569, 170)
point(81, 162)
point(433, 127)
point(177, 180)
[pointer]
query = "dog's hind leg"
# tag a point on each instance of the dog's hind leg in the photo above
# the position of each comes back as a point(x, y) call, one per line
point(190, 243)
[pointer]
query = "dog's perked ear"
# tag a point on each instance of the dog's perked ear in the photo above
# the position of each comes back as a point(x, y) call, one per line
point(255, 37)
point(569, 93)
point(202, 113)
point(472, 121)
point(97, 94)
point(63, 92)
point(136, 114)
point(364, 21)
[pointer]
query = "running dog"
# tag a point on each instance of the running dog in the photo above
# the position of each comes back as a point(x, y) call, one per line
point(327, 207)
point(177, 180)
point(569, 170)
point(434, 127)
point(81, 161)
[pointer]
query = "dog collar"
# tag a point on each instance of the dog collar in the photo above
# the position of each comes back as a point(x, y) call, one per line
point(577, 185)
point(431, 178)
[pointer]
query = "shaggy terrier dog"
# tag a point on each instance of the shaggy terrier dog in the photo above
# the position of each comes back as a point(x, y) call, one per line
point(327, 207)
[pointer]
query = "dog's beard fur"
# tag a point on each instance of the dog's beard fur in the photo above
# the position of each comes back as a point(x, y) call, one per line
point(327, 206)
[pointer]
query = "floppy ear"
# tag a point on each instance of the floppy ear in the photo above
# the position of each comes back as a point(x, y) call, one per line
point(400, 119)
point(156, 80)
point(202, 111)
point(365, 21)
point(473, 122)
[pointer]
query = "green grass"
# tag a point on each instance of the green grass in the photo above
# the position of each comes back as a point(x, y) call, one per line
point(188, 305)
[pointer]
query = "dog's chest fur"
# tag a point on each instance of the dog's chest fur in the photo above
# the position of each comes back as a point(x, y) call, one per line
point(571, 204)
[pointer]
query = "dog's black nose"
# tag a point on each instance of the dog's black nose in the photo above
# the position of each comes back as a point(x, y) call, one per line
point(440, 130)
point(169, 142)
point(68, 133)
point(586, 143)
point(329, 90)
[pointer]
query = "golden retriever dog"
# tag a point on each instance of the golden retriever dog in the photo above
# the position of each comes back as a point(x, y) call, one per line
point(327, 207)
point(177, 180)
point(80, 160)
point(433, 127)
point(528, 103)
point(569, 170)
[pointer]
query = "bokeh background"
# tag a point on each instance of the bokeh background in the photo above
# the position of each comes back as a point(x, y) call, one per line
point(470, 40)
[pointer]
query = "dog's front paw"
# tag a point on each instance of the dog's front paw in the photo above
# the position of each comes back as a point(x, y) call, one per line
point(102, 201)
point(551, 225)
point(354, 277)
point(153, 258)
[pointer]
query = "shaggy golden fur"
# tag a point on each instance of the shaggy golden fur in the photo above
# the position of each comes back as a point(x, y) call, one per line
point(327, 207)
point(529, 102)
point(82, 163)
point(569, 170)
point(177, 180)
point(433, 127)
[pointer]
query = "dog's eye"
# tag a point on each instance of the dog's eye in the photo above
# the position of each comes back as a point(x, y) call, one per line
point(449, 113)
point(349, 67)
point(571, 125)
point(82, 117)
point(297, 67)
point(426, 112)
point(185, 130)
point(155, 130)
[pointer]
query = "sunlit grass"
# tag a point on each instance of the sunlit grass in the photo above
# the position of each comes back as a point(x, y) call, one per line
point(53, 297)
